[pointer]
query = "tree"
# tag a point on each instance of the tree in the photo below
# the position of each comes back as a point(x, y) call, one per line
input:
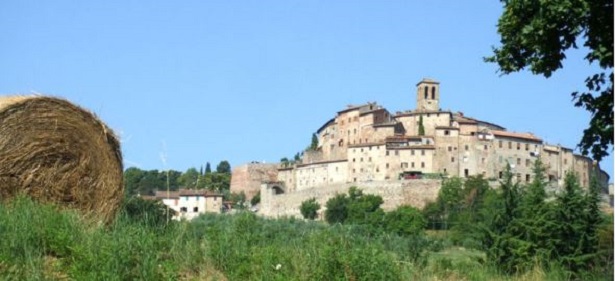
point(571, 216)
point(223, 167)
point(337, 209)
point(536, 34)
point(309, 209)
point(189, 178)
point(313, 143)
point(405, 220)
point(132, 177)
point(207, 168)
point(536, 217)
point(421, 126)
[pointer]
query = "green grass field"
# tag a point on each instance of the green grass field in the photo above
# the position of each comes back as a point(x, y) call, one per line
point(41, 242)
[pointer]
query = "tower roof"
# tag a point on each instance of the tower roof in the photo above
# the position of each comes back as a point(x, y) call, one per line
point(427, 81)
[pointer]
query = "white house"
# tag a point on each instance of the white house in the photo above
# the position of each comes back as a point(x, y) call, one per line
point(190, 203)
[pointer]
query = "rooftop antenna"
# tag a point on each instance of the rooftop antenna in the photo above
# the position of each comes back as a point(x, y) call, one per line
point(163, 158)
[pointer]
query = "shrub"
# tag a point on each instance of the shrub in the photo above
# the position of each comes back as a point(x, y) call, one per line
point(309, 209)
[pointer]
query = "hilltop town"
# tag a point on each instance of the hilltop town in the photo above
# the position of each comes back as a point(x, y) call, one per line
point(403, 156)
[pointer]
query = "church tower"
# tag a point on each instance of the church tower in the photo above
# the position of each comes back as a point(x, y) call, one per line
point(428, 95)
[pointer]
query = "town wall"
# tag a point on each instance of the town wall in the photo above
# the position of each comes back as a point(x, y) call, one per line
point(395, 193)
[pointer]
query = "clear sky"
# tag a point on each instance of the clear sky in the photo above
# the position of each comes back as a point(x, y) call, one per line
point(205, 81)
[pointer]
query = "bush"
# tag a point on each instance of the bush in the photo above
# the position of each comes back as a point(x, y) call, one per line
point(309, 209)
point(405, 220)
point(149, 212)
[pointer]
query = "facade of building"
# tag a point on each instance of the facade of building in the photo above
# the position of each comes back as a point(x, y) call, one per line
point(367, 143)
point(190, 203)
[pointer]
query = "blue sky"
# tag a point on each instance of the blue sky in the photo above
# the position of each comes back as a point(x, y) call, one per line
point(205, 81)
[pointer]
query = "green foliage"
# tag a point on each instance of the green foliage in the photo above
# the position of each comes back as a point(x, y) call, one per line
point(404, 221)
point(189, 179)
point(309, 209)
point(149, 212)
point(356, 208)
point(137, 181)
point(215, 181)
point(313, 143)
point(256, 199)
point(207, 168)
point(337, 209)
point(238, 200)
point(536, 34)
point(421, 126)
point(223, 167)
point(44, 242)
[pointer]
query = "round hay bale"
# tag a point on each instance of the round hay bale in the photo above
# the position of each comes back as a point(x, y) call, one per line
point(55, 151)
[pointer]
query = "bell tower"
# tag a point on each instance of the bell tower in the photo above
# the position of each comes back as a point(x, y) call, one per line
point(428, 95)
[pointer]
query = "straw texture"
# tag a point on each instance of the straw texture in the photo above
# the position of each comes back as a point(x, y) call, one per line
point(55, 151)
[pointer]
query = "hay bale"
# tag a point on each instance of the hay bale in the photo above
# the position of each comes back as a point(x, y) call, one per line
point(55, 151)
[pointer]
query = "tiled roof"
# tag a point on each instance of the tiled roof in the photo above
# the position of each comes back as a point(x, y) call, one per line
point(526, 136)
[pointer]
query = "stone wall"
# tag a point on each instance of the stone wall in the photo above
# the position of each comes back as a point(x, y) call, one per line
point(248, 178)
point(394, 193)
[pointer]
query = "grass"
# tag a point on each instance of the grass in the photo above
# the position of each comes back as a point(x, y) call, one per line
point(41, 242)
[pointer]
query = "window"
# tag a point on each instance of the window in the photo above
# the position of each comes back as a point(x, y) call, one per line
point(411, 151)
point(509, 145)
point(465, 173)
point(423, 152)
point(422, 164)
point(361, 159)
point(426, 92)
point(387, 165)
point(450, 148)
point(527, 146)
point(396, 152)
point(500, 175)
point(377, 169)
point(565, 161)
point(466, 147)
point(404, 164)
point(500, 144)
point(482, 160)
point(433, 92)
point(195, 209)
point(353, 159)
point(354, 171)
point(527, 162)
point(447, 132)
point(453, 159)
point(369, 159)
point(183, 209)
point(518, 161)
point(527, 177)
point(485, 147)
point(361, 149)
point(412, 164)
point(387, 153)
point(518, 146)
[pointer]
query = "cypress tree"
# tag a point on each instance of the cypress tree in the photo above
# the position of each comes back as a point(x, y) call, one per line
point(536, 217)
point(571, 215)
point(421, 126)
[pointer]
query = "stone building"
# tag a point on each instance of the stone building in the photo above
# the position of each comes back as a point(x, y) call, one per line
point(367, 143)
